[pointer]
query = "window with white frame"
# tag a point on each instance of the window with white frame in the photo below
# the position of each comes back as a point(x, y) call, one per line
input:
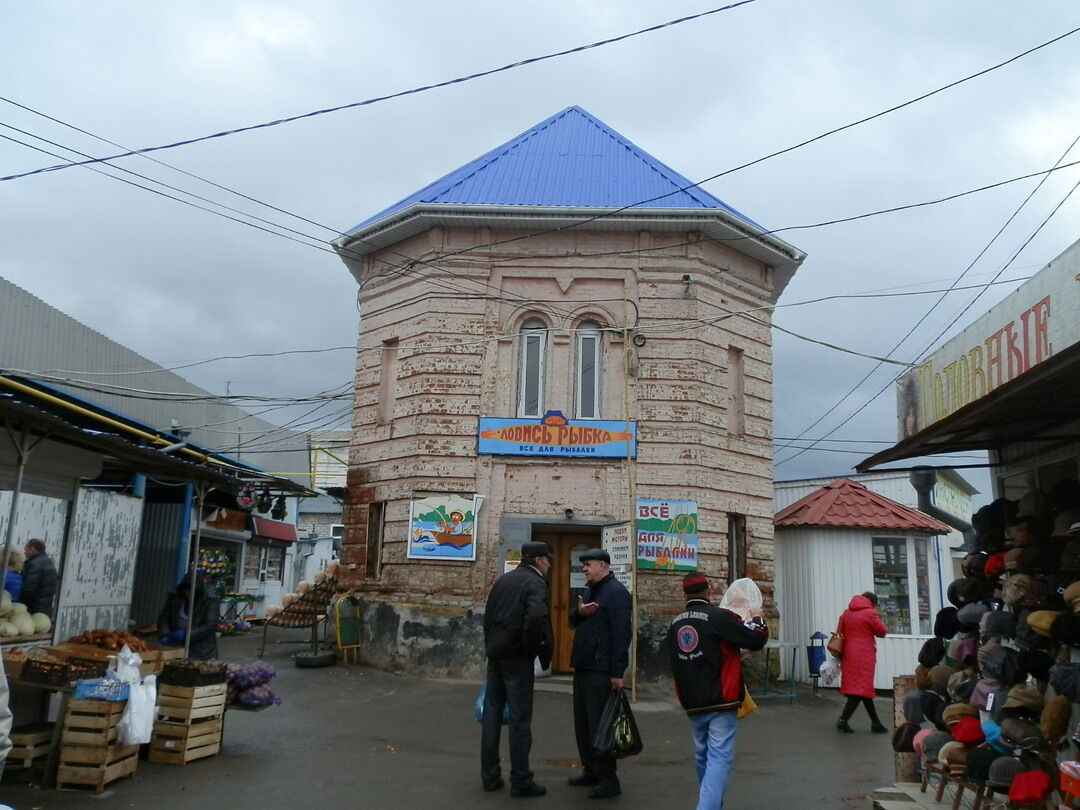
point(587, 372)
point(533, 339)
point(902, 584)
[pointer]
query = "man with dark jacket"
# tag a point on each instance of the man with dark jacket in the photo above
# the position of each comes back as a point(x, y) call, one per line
point(704, 644)
point(601, 622)
point(517, 630)
point(39, 579)
point(173, 620)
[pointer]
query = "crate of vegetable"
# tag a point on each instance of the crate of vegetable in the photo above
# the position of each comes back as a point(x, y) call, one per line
point(186, 672)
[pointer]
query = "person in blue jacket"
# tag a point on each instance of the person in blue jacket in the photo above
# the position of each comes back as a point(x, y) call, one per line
point(601, 654)
point(13, 578)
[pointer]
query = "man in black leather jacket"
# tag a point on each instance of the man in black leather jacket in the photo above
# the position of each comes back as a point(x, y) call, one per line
point(517, 630)
point(602, 628)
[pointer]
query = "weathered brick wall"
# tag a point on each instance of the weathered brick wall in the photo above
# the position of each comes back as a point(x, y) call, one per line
point(454, 322)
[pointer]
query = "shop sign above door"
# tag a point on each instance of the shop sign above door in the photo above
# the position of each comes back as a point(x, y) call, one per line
point(555, 435)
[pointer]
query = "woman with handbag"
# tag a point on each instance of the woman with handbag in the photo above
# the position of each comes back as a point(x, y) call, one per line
point(859, 625)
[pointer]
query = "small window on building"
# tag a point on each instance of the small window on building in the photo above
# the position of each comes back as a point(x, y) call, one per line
point(587, 379)
point(337, 530)
point(373, 555)
point(898, 563)
point(736, 385)
point(736, 532)
point(533, 339)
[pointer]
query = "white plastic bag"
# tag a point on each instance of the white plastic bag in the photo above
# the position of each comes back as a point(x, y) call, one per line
point(137, 723)
point(127, 665)
point(743, 597)
point(830, 671)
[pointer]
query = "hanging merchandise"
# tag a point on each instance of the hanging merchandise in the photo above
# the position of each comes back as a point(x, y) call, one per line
point(265, 500)
point(279, 512)
point(245, 499)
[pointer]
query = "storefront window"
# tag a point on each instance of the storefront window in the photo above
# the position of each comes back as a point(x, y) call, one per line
point(252, 561)
point(922, 581)
point(275, 563)
point(891, 584)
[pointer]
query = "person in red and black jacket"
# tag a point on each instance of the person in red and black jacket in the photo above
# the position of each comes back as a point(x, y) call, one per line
point(704, 645)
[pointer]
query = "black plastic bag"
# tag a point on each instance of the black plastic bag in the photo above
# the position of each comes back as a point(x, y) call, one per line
point(617, 735)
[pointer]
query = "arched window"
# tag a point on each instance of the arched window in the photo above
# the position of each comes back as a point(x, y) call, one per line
point(587, 371)
point(533, 338)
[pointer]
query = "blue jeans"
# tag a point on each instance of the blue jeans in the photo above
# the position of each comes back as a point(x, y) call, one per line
point(509, 681)
point(714, 752)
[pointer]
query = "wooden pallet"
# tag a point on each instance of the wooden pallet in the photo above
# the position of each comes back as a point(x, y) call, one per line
point(95, 767)
point(24, 756)
point(91, 722)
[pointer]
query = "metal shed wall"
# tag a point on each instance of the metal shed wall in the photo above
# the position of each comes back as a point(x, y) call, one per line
point(36, 516)
point(99, 572)
point(155, 568)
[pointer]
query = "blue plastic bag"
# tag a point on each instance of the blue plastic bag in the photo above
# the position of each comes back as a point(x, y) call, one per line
point(108, 688)
point(478, 708)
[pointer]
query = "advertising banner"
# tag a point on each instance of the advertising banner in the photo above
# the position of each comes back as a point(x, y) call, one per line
point(667, 535)
point(555, 435)
point(616, 540)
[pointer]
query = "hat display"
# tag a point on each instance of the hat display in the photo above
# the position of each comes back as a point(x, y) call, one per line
point(922, 677)
point(943, 754)
point(1029, 786)
point(974, 563)
point(998, 624)
point(968, 730)
point(1024, 698)
point(913, 710)
point(983, 689)
point(919, 738)
point(979, 761)
point(956, 760)
point(1065, 678)
point(961, 685)
point(1072, 597)
point(1036, 663)
point(1054, 721)
point(995, 565)
point(535, 549)
point(971, 614)
point(1070, 555)
point(955, 712)
point(1020, 734)
point(603, 556)
point(1003, 666)
point(945, 624)
point(931, 652)
point(993, 737)
point(964, 650)
point(1066, 629)
point(931, 704)
point(1012, 559)
point(1002, 772)
point(1021, 590)
point(985, 649)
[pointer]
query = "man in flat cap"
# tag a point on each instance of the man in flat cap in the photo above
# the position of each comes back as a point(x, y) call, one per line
point(601, 654)
point(517, 630)
point(704, 644)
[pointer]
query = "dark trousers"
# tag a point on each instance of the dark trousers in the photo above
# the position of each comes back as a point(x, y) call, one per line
point(852, 704)
point(591, 692)
point(509, 683)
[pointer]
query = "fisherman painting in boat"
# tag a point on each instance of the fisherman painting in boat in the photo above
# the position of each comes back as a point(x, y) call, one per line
point(456, 532)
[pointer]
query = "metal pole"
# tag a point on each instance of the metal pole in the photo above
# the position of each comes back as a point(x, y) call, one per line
point(194, 569)
point(23, 453)
point(631, 473)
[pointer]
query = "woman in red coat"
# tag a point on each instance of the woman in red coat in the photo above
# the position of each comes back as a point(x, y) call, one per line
point(859, 624)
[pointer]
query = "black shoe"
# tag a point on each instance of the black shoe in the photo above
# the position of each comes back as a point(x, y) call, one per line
point(585, 780)
point(528, 789)
point(842, 725)
point(605, 792)
point(878, 728)
point(496, 785)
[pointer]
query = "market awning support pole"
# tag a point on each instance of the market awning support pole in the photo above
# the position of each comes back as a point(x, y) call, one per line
point(23, 448)
point(194, 569)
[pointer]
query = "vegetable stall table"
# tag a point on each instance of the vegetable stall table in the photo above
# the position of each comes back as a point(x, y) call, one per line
point(309, 610)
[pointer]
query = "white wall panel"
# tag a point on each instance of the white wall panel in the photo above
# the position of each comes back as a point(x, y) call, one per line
point(99, 574)
point(35, 516)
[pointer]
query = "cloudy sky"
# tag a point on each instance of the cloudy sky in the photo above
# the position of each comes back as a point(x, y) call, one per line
point(179, 284)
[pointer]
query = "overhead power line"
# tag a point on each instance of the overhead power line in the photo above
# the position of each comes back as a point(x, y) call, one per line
point(377, 99)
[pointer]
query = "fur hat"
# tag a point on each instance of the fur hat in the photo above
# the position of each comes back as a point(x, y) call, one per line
point(945, 624)
point(1021, 590)
point(933, 743)
point(922, 677)
point(1054, 722)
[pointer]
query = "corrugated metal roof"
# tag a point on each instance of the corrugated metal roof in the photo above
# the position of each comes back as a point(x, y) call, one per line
point(572, 159)
point(847, 504)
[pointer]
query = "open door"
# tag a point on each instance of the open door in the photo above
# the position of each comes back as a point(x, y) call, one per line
point(567, 582)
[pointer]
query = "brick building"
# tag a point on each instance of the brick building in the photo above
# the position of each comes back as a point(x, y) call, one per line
point(559, 336)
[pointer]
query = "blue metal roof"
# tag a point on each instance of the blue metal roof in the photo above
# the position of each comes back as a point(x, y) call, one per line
point(570, 160)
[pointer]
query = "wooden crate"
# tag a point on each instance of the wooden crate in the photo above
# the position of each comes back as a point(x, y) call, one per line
point(191, 691)
point(173, 744)
point(114, 762)
point(186, 705)
point(29, 742)
point(91, 722)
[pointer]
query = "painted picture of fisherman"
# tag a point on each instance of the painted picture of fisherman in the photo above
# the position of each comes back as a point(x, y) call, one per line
point(441, 527)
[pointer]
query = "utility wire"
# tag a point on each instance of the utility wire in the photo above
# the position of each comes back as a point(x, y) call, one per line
point(377, 99)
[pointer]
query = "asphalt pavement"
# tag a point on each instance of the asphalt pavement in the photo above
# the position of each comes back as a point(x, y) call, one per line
point(355, 737)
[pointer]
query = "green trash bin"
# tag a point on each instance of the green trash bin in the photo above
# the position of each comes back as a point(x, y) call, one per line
point(350, 627)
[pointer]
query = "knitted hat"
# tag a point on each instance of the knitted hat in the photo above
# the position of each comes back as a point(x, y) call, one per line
point(692, 583)
point(968, 731)
point(945, 624)
point(1054, 722)
point(920, 737)
point(1002, 772)
point(1024, 698)
point(955, 712)
point(1028, 787)
point(979, 761)
point(933, 743)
